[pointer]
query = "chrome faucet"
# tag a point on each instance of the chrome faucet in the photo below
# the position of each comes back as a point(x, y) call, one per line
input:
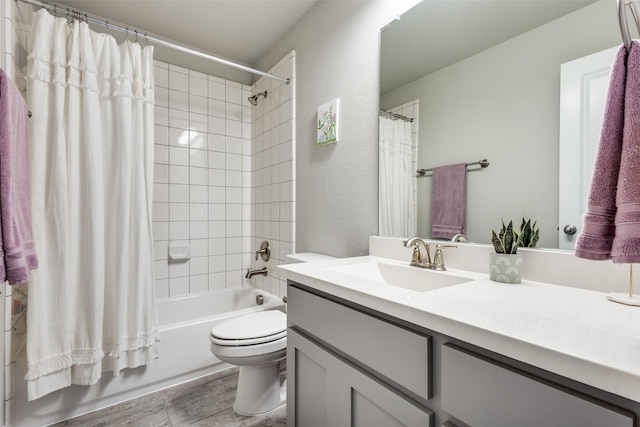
point(420, 257)
point(250, 273)
point(459, 238)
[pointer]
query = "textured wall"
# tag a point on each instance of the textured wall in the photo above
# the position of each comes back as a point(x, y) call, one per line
point(337, 45)
point(337, 48)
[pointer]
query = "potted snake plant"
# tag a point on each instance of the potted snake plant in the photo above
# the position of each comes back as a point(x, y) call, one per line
point(505, 263)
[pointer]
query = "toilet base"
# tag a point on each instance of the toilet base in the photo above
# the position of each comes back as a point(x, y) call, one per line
point(260, 390)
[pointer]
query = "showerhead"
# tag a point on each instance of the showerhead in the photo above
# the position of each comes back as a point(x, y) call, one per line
point(254, 99)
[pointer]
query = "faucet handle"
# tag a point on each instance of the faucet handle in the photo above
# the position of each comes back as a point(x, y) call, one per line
point(264, 251)
point(438, 258)
point(415, 256)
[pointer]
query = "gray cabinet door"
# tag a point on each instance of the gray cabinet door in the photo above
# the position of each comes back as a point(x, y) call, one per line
point(365, 402)
point(324, 391)
point(484, 393)
point(312, 384)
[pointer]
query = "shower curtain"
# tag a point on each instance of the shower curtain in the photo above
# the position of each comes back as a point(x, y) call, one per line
point(91, 302)
point(397, 210)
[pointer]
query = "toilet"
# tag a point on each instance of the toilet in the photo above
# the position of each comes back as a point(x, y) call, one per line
point(257, 343)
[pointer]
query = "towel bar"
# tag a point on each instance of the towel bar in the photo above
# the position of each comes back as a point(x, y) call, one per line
point(484, 163)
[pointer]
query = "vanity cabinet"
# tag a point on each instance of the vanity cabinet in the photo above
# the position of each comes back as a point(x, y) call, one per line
point(348, 365)
point(399, 356)
point(328, 391)
point(485, 393)
point(346, 368)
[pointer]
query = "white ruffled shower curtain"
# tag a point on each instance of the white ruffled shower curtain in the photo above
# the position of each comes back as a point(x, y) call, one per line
point(91, 301)
point(397, 212)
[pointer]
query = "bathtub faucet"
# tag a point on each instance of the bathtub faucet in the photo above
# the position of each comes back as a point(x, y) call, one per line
point(251, 273)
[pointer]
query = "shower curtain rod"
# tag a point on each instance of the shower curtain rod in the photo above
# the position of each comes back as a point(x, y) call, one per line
point(395, 116)
point(155, 40)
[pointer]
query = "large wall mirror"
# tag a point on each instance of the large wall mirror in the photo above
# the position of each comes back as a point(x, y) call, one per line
point(483, 80)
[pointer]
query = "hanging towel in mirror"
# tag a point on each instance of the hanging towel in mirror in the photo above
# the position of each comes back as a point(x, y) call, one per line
point(449, 201)
point(626, 243)
point(16, 246)
point(596, 239)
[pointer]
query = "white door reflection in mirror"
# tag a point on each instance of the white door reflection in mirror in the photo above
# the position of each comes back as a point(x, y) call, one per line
point(583, 93)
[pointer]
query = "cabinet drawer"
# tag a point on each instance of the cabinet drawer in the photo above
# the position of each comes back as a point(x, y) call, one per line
point(397, 354)
point(481, 392)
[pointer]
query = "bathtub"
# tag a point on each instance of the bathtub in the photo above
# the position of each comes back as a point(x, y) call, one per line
point(185, 324)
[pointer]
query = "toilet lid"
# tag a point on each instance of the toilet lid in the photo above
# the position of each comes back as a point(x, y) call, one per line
point(249, 326)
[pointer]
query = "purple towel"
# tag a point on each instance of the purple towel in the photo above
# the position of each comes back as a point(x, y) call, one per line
point(17, 247)
point(596, 239)
point(626, 244)
point(449, 200)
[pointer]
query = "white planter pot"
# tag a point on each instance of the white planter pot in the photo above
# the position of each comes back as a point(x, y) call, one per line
point(505, 268)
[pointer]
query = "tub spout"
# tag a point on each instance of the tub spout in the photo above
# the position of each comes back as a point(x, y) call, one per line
point(250, 273)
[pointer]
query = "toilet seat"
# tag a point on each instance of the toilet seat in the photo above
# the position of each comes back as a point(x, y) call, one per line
point(250, 329)
point(250, 354)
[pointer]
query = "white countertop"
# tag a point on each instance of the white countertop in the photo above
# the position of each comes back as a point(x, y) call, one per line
point(572, 332)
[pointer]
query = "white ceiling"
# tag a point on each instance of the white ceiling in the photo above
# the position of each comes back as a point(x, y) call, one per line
point(239, 30)
point(435, 33)
point(429, 37)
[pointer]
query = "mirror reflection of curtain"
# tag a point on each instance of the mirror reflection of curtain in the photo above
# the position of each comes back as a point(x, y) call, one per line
point(397, 211)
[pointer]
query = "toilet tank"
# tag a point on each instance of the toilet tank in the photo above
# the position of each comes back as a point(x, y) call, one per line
point(307, 257)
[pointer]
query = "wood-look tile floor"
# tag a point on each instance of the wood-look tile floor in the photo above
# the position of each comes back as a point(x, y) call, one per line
point(205, 402)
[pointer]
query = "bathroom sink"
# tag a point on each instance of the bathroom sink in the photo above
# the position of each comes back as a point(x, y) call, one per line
point(407, 277)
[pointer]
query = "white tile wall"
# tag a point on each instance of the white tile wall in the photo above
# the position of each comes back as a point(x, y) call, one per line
point(216, 188)
point(199, 180)
point(17, 22)
point(273, 167)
